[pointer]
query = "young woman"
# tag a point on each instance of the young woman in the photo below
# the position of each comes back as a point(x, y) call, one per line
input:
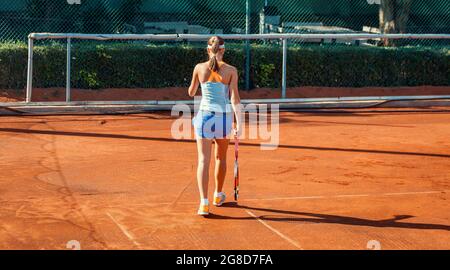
point(213, 122)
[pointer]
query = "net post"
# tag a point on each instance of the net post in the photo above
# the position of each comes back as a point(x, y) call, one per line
point(68, 69)
point(283, 79)
point(30, 70)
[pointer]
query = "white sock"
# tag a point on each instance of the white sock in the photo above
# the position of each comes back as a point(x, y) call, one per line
point(220, 194)
point(204, 201)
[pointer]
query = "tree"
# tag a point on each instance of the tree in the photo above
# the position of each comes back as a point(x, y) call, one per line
point(394, 16)
point(51, 16)
point(98, 19)
point(129, 14)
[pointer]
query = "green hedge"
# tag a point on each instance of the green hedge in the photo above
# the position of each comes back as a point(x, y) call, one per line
point(147, 66)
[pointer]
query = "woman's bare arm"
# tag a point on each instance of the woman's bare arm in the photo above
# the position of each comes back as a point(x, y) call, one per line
point(236, 100)
point(194, 83)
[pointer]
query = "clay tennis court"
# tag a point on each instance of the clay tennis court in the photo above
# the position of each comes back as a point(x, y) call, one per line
point(338, 180)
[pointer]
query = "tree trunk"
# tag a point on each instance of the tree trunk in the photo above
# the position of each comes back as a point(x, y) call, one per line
point(387, 19)
point(403, 11)
point(387, 16)
point(394, 16)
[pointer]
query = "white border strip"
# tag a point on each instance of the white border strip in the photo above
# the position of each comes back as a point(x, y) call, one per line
point(244, 101)
point(38, 36)
point(180, 37)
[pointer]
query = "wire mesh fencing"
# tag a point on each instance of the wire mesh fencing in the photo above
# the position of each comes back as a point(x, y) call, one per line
point(350, 65)
point(20, 17)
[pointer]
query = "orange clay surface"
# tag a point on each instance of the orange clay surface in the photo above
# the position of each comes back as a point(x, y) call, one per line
point(338, 180)
point(180, 93)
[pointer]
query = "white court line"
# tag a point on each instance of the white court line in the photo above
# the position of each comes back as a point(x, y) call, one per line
point(412, 193)
point(296, 244)
point(285, 198)
point(351, 196)
point(124, 231)
point(319, 197)
point(347, 196)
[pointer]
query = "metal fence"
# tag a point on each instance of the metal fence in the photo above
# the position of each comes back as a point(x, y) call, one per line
point(18, 18)
point(196, 37)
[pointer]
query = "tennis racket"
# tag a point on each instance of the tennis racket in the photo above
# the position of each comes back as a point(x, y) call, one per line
point(236, 168)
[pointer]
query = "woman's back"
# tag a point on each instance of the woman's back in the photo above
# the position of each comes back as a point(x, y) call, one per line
point(215, 87)
point(223, 75)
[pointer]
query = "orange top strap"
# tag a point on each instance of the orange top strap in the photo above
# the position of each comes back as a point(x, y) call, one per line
point(215, 76)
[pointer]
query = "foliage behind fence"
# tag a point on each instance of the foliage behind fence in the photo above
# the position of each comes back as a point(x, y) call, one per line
point(132, 65)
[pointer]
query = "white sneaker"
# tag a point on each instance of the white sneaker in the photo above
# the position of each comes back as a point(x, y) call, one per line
point(203, 210)
point(219, 200)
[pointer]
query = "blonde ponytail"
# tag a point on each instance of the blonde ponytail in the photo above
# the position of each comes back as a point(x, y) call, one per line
point(214, 44)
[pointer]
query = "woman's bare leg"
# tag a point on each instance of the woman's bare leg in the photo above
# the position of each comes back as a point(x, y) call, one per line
point(221, 148)
point(204, 158)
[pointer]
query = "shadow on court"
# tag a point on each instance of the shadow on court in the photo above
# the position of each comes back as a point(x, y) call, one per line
point(329, 219)
point(333, 123)
point(68, 118)
point(366, 113)
point(131, 137)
